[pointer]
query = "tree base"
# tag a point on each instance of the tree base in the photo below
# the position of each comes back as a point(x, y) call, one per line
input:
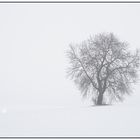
point(96, 105)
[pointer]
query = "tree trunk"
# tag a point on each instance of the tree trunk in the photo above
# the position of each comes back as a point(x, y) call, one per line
point(100, 99)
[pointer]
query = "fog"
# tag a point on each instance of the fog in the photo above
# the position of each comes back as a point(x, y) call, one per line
point(36, 97)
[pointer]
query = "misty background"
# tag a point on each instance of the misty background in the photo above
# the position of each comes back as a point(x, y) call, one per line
point(36, 97)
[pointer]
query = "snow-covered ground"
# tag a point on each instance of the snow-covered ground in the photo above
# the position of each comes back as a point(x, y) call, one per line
point(116, 120)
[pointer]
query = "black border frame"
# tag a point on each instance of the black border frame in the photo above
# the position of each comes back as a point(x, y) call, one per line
point(70, 137)
point(69, 1)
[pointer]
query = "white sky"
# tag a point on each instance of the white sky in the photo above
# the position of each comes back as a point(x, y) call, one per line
point(36, 98)
point(33, 42)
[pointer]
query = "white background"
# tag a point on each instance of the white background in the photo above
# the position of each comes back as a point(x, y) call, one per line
point(36, 98)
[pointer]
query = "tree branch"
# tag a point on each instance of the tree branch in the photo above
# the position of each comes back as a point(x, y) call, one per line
point(84, 70)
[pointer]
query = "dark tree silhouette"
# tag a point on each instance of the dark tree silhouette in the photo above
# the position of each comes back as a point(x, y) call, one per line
point(103, 68)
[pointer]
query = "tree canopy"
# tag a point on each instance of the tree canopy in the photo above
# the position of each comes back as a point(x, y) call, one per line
point(103, 68)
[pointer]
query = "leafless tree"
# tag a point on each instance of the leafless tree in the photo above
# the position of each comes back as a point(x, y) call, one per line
point(103, 68)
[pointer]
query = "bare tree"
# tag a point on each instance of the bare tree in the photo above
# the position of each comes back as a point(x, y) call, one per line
point(103, 68)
